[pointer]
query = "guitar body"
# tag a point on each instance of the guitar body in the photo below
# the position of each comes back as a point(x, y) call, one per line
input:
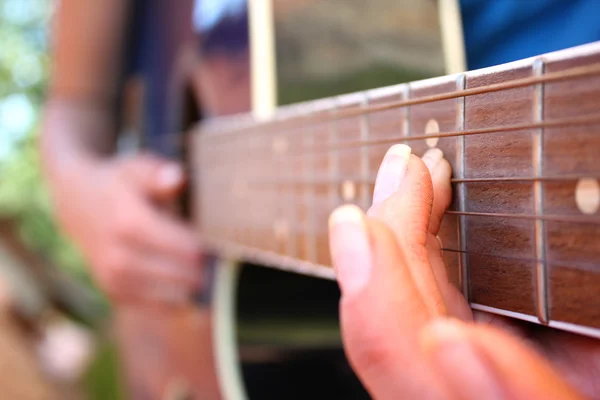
point(265, 332)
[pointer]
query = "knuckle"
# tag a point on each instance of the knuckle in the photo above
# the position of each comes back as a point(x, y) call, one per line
point(439, 304)
point(369, 350)
point(113, 269)
point(121, 167)
point(143, 164)
point(124, 223)
point(434, 243)
point(367, 341)
point(417, 250)
point(148, 160)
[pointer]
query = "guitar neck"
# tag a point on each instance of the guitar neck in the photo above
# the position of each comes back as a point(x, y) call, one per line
point(521, 236)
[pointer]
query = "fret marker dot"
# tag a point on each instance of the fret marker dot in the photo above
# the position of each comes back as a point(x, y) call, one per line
point(348, 190)
point(587, 195)
point(280, 229)
point(280, 146)
point(432, 128)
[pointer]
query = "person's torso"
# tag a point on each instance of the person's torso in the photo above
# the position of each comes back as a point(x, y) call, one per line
point(216, 32)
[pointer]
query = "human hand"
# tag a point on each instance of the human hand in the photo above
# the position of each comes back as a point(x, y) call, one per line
point(116, 211)
point(407, 331)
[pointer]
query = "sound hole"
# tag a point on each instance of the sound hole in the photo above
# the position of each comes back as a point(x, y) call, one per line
point(289, 338)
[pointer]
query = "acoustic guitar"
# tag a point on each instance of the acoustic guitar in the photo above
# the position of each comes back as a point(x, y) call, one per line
point(520, 238)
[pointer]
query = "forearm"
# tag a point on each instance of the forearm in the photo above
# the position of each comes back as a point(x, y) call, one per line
point(89, 39)
point(79, 123)
point(75, 137)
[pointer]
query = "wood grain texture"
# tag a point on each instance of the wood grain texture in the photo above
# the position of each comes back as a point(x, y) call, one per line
point(289, 194)
point(573, 249)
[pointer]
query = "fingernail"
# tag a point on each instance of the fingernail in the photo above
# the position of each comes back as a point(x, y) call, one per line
point(432, 158)
point(464, 369)
point(439, 239)
point(391, 172)
point(170, 175)
point(350, 249)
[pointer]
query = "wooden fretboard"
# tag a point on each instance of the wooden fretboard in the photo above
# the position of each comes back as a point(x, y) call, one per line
point(522, 237)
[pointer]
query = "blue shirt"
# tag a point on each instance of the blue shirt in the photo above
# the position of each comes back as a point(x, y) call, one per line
point(499, 31)
point(156, 35)
point(496, 31)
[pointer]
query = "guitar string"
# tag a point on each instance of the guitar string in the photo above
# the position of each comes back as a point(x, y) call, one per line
point(348, 145)
point(215, 181)
point(215, 184)
point(582, 219)
point(580, 264)
point(292, 181)
point(532, 260)
point(524, 259)
point(575, 121)
point(576, 72)
point(545, 124)
point(328, 115)
point(573, 219)
point(325, 148)
point(256, 249)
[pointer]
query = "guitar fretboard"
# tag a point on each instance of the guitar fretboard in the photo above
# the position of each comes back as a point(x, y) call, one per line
point(522, 237)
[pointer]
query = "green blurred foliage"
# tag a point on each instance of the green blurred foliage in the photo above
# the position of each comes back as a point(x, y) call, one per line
point(373, 76)
point(24, 197)
point(102, 378)
point(24, 66)
point(24, 69)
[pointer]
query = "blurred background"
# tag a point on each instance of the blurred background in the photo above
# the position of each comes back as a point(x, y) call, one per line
point(55, 336)
point(53, 339)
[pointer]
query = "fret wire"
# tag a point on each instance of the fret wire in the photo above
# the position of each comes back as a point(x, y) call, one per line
point(541, 286)
point(250, 173)
point(463, 270)
point(323, 116)
point(311, 240)
point(289, 207)
point(256, 214)
point(293, 212)
point(223, 169)
point(253, 145)
point(334, 159)
point(365, 133)
point(233, 167)
point(406, 114)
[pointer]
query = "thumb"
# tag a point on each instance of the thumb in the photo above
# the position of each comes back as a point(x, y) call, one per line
point(159, 178)
point(478, 361)
point(381, 309)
